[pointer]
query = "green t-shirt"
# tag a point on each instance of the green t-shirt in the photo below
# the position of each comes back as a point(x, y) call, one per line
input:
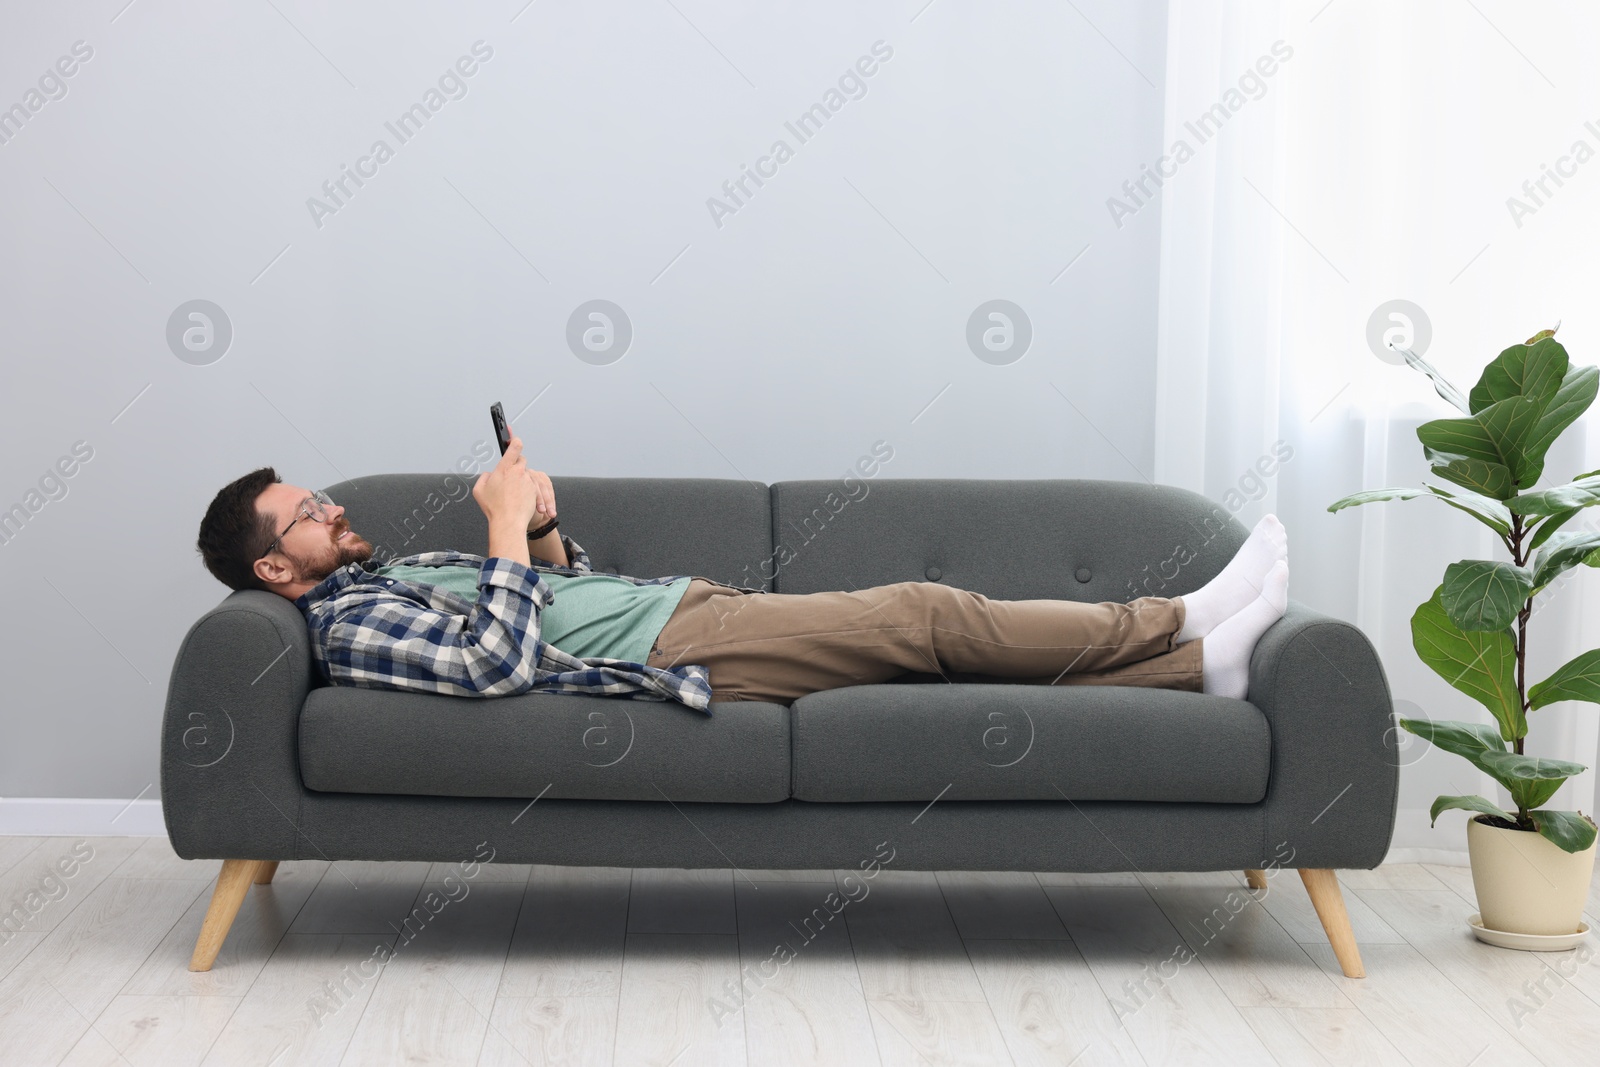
point(592, 615)
point(462, 581)
point(605, 615)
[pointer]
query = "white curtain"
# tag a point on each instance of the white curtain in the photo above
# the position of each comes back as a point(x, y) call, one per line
point(1371, 157)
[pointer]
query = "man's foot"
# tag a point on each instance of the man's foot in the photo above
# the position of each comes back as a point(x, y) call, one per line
point(1239, 583)
point(1225, 656)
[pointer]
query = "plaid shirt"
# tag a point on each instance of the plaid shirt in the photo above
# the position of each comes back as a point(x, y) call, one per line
point(385, 633)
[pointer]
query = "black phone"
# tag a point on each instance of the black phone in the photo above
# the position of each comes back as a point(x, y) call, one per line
point(502, 429)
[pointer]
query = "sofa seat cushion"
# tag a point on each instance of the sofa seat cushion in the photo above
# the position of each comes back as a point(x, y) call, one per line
point(551, 745)
point(1002, 741)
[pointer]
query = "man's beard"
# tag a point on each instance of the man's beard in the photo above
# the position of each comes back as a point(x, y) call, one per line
point(353, 549)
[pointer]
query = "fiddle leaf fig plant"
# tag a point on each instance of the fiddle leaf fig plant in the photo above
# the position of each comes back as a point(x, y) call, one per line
point(1473, 631)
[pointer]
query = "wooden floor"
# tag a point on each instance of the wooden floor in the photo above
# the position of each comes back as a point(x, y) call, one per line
point(548, 965)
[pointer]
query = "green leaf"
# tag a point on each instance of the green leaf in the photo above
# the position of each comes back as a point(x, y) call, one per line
point(1490, 479)
point(1579, 493)
point(1487, 510)
point(1517, 410)
point(1531, 370)
point(1583, 491)
point(1512, 766)
point(1482, 594)
point(1541, 373)
point(1372, 496)
point(1467, 739)
point(1479, 744)
point(1563, 552)
point(1494, 435)
point(1577, 679)
point(1577, 392)
point(1550, 525)
point(1471, 803)
point(1480, 663)
point(1534, 793)
point(1531, 780)
point(1569, 831)
point(1441, 385)
point(1510, 424)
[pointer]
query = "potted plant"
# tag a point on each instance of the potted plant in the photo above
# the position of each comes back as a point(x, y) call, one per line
point(1531, 866)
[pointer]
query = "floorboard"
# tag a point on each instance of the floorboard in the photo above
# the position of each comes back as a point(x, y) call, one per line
point(669, 982)
point(1048, 1005)
point(1323, 1037)
point(569, 938)
point(943, 1033)
point(673, 900)
point(263, 919)
point(432, 1003)
point(906, 944)
point(1000, 904)
point(1529, 994)
point(355, 963)
point(170, 1031)
point(802, 1002)
point(52, 997)
point(361, 897)
point(554, 1031)
point(1173, 1008)
point(1420, 1011)
point(1244, 949)
point(304, 1005)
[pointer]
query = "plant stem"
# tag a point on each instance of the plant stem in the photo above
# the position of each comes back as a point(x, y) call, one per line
point(1517, 556)
point(1522, 653)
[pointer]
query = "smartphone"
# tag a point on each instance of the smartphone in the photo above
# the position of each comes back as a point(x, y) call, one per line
point(502, 430)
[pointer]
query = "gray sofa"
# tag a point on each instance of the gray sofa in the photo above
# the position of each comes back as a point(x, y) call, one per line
point(261, 761)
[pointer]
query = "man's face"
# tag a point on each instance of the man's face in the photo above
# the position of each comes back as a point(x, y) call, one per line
point(313, 549)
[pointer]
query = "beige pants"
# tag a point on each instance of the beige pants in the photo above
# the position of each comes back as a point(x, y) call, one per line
point(780, 646)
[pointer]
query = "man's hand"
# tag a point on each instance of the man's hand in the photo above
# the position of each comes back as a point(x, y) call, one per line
point(547, 499)
point(509, 499)
point(506, 494)
point(548, 547)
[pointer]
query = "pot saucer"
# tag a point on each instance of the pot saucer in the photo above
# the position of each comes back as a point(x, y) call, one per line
point(1527, 942)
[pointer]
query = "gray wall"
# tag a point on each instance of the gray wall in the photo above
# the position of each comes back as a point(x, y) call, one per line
point(575, 163)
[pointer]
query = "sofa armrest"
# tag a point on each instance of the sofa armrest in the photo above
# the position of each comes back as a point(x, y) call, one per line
point(230, 777)
point(1335, 776)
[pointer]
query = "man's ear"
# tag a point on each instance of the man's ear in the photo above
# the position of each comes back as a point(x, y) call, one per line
point(271, 571)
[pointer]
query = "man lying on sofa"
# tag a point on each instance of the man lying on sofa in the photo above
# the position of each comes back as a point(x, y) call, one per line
point(464, 625)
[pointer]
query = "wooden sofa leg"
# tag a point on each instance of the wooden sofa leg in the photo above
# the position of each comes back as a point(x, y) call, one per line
point(268, 869)
point(1255, 879)
point(1322, 885)
point(232, 884)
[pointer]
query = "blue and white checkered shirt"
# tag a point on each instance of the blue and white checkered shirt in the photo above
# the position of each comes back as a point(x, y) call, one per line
point(386, 633)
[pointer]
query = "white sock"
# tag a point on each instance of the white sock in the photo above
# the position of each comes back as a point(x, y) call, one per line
point(1239, 583)
point(1225, 656)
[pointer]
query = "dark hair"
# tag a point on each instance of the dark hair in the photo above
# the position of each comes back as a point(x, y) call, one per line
point(233, 535)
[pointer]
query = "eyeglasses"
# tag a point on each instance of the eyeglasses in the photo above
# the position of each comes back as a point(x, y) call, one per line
point(314, 507)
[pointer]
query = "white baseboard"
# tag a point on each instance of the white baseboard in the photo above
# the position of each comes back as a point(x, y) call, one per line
point(80, 817)
point(1443, 856)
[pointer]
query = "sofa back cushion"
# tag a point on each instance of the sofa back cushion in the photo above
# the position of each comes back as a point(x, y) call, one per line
point(720, 528)
point(1015, 539)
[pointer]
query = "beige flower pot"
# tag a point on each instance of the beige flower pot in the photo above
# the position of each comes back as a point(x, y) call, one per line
point(1525, 884)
